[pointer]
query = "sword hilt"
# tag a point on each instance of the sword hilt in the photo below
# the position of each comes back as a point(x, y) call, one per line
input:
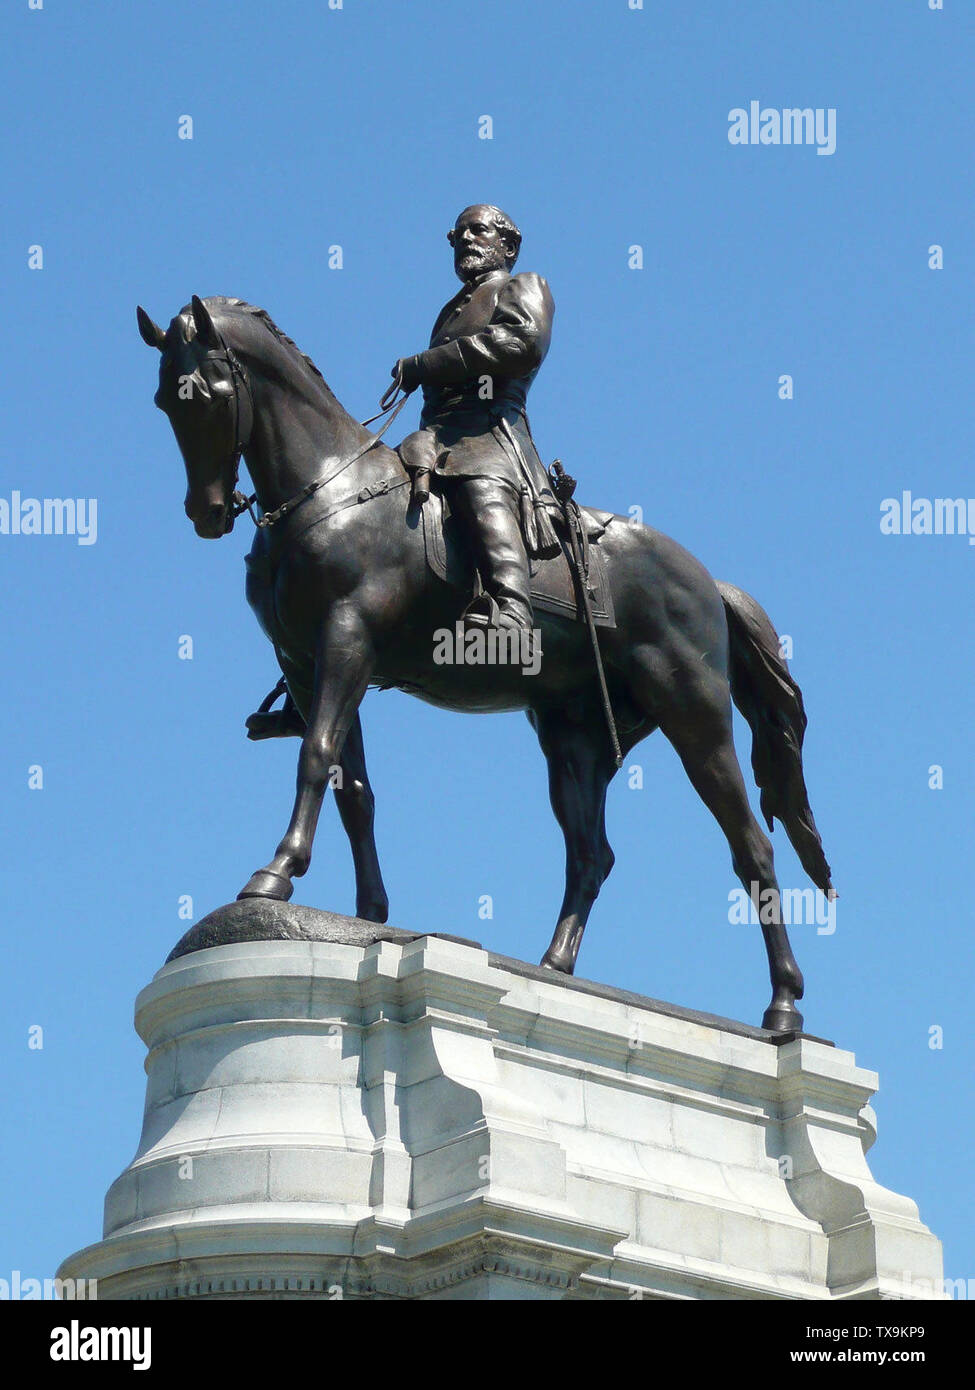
point(563, 484)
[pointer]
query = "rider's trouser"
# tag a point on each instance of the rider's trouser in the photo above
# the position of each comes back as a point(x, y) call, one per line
point(490, 513)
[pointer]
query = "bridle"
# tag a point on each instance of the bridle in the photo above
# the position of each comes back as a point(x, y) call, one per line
point(238, 378)
point(388, 405)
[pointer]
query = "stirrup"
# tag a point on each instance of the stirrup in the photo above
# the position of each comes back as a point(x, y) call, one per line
point(483, 611)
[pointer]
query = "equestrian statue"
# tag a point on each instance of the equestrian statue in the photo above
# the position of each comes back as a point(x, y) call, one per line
point(366, 557)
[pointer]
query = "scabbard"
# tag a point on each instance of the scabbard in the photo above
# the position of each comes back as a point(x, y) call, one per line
point(576, 542)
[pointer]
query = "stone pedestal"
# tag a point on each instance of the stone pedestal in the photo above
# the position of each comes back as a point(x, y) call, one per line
point(411, 1117)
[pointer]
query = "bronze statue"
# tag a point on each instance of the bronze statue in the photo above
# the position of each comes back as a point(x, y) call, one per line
point(345, 579)
point(485, 350)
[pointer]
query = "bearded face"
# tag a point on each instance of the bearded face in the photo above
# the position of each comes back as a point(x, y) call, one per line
point(479, 245)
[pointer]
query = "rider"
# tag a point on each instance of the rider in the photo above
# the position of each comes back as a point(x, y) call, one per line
point(485, 350)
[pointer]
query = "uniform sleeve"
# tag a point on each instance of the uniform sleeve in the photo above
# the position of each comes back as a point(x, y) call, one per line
point(514, 343)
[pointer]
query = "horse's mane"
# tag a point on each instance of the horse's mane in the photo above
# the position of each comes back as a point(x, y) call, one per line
point(222, 301)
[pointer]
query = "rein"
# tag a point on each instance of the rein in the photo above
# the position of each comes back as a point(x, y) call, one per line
point(388, 405)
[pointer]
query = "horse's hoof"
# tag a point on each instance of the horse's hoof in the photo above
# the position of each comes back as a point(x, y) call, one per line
point(550, 962)
point(265, 884)
point(377, 911)
point(782, 1018)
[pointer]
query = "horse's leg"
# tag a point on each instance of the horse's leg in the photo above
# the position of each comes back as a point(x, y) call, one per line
point(341, 676)
point(580, 767)
point(353, 792)
point(356, 803)
point(702, 735)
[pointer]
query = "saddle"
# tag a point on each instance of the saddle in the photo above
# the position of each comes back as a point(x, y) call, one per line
point(553, 587)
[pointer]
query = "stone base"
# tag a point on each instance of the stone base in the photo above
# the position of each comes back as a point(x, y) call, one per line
point(391, 1116)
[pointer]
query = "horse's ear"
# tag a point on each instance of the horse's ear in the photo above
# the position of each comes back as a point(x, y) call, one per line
point(151, 332)
point(205, 330)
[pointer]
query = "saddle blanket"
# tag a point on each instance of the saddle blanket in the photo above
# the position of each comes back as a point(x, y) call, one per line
point(553, 587)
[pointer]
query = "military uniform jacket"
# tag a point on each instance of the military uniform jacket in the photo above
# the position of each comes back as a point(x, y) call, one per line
point(485, 350)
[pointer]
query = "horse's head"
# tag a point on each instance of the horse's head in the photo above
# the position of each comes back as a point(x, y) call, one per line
point(203, 390)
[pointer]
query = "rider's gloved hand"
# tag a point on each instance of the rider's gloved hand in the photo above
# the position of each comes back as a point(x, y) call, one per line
point(407, 369)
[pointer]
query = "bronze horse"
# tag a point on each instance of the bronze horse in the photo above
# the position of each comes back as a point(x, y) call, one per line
point(341, 586)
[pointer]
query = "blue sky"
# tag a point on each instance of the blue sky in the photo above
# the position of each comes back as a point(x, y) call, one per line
point(359, 127)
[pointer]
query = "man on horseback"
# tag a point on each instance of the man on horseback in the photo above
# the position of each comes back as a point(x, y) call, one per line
point(485, 351)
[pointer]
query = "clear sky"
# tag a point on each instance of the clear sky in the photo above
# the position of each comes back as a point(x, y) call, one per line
point(359, 127)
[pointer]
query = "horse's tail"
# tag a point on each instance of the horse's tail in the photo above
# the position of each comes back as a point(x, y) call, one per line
point(770, 700)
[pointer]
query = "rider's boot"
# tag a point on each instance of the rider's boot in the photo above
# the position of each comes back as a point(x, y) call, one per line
point(276, 723)
point(492, 516)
